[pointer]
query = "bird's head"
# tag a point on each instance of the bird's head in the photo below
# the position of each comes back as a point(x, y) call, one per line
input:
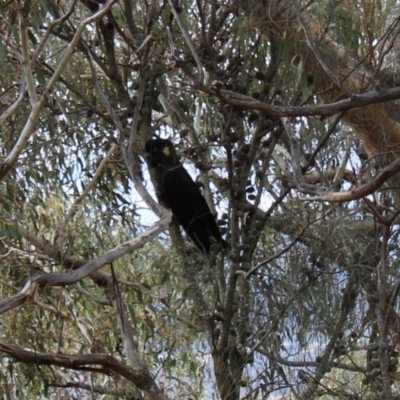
point(160, 152)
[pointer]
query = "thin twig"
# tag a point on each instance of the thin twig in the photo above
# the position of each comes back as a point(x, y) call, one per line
point(39, 105)
point(273, 257)
point(316, 53)
point(74, 207)
point(362, 191)
point(301, 185)
point(27, 64)
point(188, 40)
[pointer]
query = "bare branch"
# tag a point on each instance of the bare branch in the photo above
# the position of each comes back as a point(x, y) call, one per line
point(26, 61)
point(362, 191)
point(249, 103)
point(39, 279)
point(301, 186)
point(188, 40)
point(12, 109)
point(342, 167)
point(126, 332)
point(103, 97)
point(140, 377)
point(91, 296)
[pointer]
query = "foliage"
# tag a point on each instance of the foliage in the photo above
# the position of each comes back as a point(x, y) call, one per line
point(304, 304)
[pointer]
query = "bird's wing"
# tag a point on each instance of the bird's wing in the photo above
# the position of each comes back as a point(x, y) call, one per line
point(182, 195)
point(180, 192)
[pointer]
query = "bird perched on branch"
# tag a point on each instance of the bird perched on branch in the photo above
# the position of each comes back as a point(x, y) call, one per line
point(178, 192)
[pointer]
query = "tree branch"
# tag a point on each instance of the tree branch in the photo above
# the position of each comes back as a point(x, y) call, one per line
point(301, 186)
point(39, 279)
point(362, 191)
point(249, 103)
point(74, 207)
point(140, 377)
point(39, 105)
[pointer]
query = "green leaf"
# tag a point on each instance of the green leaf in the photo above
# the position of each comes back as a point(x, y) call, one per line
point(31, 36)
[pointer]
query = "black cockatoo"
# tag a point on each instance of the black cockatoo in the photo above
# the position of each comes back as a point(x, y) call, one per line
point(178, 192)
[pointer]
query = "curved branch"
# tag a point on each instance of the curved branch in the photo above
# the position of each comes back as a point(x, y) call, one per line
point(39, 279)
point(362, 191)
point(140, 377)
point(301, 185)
point(249, 103)
point(39, 105)
point(12, 109)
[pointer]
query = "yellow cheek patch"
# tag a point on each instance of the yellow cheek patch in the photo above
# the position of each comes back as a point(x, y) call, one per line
point(166, 151)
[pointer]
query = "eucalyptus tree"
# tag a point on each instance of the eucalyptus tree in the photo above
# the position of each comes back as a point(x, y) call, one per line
point(286, 115)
